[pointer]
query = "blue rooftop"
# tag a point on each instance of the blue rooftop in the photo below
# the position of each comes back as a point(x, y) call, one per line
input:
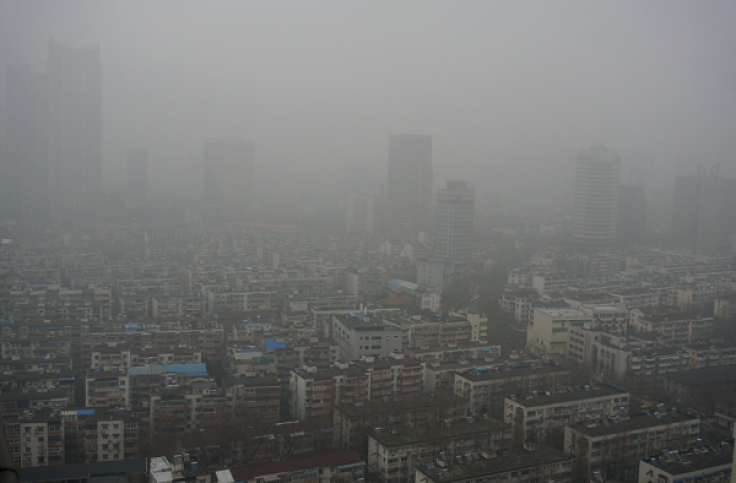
point(274, 344)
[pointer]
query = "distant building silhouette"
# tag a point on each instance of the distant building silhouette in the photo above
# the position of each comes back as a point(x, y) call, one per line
point(137, 186)
point(365, 211)
point(24, 177)
point(75, 84)
point(409, 187)
point(228, 172)
point(595, 205)
point(704, 211)
point(454, 220)
point(632, 216)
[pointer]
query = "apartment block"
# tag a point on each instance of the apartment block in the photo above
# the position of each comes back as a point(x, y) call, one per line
point(357, 338)
point(396, 451)
point(513, 465)
point(617, 445)
point(488, 388)
point(540, 412)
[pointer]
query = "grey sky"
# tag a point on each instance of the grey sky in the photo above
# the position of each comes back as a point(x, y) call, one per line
point(502, 86)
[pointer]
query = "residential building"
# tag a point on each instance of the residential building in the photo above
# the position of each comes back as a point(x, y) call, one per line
point(314, 393)
point(391, 376)
point(357, 338)
point(353, 419)
point(396, 451)
point(699, 387)
point(341, 467)
point(616, 445)
point(259, 396)
point(520, 303)
point(540, 412)
point(487, 388)
point(688, 465)
point(454, 221)
point(409, 187)
point(595, 204)
point(435, 273)
point(725, 411)
point(107, 389)
point(724, 306)
point(548, 333)
point(535, 464)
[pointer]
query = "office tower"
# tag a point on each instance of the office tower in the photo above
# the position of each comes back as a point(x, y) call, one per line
point(704, 212)
point(409, 187)
point(632, 216)
point(453, 225)
point(75, 96)
point(25, 175)
point(137, 176)
point(228, 172)
point(595, 203)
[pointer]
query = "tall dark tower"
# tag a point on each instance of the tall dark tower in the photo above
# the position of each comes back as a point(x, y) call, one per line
point(409, 187)
point(75, 97)
point(137, 187)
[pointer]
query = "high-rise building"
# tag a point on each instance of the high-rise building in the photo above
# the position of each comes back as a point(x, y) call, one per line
point(75, 97)
point(595, 204)
point(409, 188)
point(137, 176)
point(453, 225)
point(228, 172)
point(25, 167)
point(632, 216)
point(365, 211)
point(704, 212)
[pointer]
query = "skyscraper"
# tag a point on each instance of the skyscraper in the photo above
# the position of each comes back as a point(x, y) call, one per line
point(595, 203)
point(454, 220)
point(704, 212)
point(409, 187)
point(228, 172)
point(75, 96)
point(137, 186)
point(632, 216)
point(25, 170)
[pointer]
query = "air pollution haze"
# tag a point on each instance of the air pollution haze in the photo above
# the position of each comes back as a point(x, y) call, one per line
point(509, 91)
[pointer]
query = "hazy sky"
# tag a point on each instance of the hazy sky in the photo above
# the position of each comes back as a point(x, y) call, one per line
point(502, 86)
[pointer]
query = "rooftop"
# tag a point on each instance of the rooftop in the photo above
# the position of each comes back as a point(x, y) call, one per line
point(563, 397)
point(433, 433)
point(561, 312)
point(691, 463)
point(509, 460)
point(246, 473)
point(522, 372)
point(634, 423)
point(706, 375)
point(82, 470)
